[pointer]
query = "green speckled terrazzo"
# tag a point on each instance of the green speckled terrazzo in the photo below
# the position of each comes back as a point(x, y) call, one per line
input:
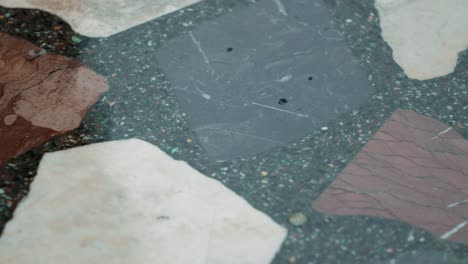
point(282, 179)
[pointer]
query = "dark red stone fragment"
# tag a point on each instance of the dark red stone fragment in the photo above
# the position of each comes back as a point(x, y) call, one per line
point(415, 169)
point(41, 95)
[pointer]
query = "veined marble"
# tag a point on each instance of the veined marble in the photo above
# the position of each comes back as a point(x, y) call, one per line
point(41, 95)
point(414, 169)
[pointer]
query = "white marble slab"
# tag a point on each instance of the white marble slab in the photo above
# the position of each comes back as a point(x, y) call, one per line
point(425, 35)
point(102, 18)
point(129, 202)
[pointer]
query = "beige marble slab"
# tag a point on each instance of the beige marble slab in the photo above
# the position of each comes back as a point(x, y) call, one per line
point(129, 202)
point(425, 35)
point(102, 18)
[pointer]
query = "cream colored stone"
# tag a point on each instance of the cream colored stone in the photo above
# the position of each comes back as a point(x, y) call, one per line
point(10, 119)
point(425, 35)
point(102, 18)
point(129, 202)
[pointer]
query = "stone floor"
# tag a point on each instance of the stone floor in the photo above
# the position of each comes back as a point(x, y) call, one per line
point(234, 131)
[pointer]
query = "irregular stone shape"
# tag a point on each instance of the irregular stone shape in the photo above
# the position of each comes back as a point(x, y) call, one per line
point(41, 95)
point(425, 35)
point(129, 202)
point(274, 71)
point(102, 18)
point(415, 169)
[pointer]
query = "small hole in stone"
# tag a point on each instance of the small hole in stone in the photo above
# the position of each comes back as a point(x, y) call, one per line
point(311, 78)
point(229, 49)
point(282, 101)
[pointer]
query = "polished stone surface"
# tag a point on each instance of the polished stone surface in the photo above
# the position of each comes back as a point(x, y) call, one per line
point(129, 202)
point(41, 95)
point(242, 100)
point(426, 35)
point(103, 18)
point(414, 169)
point(423, 257)
point(282, 181)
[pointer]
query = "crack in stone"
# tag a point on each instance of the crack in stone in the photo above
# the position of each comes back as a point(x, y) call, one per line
point(50, 93)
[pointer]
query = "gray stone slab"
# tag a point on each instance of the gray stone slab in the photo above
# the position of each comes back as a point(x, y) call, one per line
point(263, 75)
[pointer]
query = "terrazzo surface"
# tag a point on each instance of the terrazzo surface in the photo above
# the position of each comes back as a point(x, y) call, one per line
point(282, 180)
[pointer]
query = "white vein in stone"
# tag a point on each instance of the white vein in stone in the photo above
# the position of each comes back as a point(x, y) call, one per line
point(454, 230)
point(281, 7)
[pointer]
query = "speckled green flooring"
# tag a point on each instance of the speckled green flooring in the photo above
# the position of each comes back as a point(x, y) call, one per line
point(282, 182)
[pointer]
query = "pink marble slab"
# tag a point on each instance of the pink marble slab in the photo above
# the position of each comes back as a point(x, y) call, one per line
point(415, 169)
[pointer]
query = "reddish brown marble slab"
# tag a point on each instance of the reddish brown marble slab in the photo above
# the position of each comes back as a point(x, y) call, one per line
point(415, 169)
point(41, 95)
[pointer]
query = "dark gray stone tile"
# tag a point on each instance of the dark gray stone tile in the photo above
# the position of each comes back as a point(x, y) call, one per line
point(263, 75)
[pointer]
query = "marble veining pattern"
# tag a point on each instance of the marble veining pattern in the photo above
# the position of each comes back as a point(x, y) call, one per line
point(415, 169)
point(240, 98)
point(41, 95)
point(281, 177)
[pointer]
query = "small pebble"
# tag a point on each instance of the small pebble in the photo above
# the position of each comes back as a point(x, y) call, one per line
point(76, 39)
point(10, 119)
point(264, 173)
point(174, 150)
point(324, 128)
point(298, 219)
